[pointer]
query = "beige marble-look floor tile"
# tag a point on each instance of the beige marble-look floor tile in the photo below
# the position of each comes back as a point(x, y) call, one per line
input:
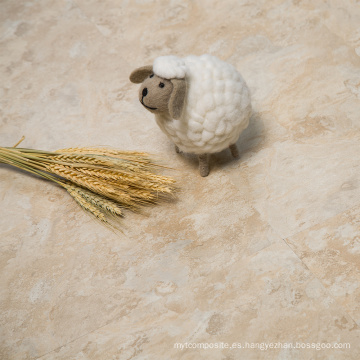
point(66, 277)
point(45, 68)
point(16, 221)
point(164, 282)
point(257, 299)
point(211, 266)
point(331, 250)
point(295, 186)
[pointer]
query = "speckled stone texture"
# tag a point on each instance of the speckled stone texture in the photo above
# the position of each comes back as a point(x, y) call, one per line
point(264, 250)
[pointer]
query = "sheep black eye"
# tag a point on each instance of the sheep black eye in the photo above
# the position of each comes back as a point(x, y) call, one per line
point(151, 75)
point(161, 85)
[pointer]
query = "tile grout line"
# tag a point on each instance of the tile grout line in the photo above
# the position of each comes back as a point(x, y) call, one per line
point(292, 250)
point(325, 288)
point(319, 223)
point(73, 340)
point(89, 20)
point(321, 282)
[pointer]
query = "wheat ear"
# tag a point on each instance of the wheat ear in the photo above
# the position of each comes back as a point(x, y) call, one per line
point(96, 185)
point(85, 204)
point(97, 200)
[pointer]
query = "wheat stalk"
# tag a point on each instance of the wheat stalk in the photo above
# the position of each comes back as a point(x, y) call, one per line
point(102, 181)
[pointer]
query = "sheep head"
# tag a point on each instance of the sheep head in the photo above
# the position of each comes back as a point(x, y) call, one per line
point(160, 95)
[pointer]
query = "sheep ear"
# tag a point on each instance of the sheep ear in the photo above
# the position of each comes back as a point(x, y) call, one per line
point(177, 98)
point(140, 74)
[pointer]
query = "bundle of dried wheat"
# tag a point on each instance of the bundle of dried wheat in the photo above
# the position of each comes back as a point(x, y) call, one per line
point(102, 181)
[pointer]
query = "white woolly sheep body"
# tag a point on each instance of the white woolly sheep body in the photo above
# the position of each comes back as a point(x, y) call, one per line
point(217, 107)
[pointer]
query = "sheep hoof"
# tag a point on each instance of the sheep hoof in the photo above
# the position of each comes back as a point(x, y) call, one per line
point(178, 151)
point(234, 151)
point(204, 165)
point(204, 171)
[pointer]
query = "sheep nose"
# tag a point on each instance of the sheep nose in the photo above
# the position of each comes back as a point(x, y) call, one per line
point(144, 92)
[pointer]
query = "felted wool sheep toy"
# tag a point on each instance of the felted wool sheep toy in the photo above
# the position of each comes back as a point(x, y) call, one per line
point(200, 102)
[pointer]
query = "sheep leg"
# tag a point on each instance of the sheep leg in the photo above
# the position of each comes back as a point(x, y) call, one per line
point(204, 165)
point(234, 151)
